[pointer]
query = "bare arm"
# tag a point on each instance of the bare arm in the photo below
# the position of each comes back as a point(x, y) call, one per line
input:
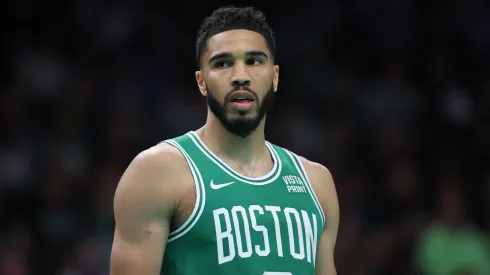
point(324, 187)
point(143, 207)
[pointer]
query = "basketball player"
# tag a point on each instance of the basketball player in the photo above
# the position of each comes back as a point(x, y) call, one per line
point(221, 199)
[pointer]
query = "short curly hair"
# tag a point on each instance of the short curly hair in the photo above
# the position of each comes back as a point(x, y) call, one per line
point(229, 18)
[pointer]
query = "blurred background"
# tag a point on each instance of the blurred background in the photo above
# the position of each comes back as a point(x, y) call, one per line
point(393, 96)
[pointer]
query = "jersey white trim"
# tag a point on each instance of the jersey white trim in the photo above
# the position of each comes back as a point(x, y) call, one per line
point(200, 196)
point(275, 172)
point(304, 176)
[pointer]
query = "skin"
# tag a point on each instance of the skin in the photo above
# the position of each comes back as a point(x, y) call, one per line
point(156, 192)
point(324, 188)
point(218, 76)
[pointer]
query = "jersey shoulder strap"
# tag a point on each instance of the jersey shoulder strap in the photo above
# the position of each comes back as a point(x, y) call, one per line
point(291, 162)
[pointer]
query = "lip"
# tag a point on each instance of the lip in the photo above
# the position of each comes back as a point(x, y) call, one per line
point(243, 105)
point(241, 94)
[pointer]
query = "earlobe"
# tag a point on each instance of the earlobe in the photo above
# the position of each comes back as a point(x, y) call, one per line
point(200, 83)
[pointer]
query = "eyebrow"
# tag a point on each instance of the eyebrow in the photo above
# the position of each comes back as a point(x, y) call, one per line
point(227, 55)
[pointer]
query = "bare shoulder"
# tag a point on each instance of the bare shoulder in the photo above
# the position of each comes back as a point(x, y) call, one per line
point(151, 180)
point(144, 202)
point(318, 174)
point(162, 157)
point(153, 165)
point(322, 182)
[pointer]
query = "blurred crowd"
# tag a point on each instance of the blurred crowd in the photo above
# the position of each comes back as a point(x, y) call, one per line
point(392, 96)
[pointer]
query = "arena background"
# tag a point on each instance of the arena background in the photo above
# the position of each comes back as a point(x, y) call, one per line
point(393, 96)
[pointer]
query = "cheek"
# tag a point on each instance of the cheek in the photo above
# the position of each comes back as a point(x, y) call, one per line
point(214, 85)
point(266, 79)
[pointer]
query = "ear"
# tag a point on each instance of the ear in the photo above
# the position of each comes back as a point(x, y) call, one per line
point(200, 83)
point(275, 79)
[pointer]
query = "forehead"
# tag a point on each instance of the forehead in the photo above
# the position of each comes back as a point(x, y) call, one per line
point(236, 41)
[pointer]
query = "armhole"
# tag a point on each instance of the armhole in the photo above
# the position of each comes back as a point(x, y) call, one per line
point(304, 176)
point(200, 195)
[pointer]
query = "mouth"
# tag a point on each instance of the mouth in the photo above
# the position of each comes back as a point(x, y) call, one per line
point(242, 100)
point(241, 97)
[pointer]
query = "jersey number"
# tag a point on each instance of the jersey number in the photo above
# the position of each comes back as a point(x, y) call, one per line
point(277, 273)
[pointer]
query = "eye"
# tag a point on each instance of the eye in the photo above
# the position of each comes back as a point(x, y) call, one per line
point(222, 64)
point(254, 61)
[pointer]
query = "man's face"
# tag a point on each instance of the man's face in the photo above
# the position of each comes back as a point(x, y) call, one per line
point(238, 79)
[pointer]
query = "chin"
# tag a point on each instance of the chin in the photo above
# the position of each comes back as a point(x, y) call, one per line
point(243, 115)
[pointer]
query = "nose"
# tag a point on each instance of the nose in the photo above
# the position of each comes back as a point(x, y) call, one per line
point(241, 77)
point(241, 82)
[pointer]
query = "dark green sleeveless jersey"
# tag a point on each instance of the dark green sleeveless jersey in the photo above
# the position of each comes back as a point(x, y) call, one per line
point(269, 225)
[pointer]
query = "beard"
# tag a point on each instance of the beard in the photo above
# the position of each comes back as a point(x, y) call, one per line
point(244, 125)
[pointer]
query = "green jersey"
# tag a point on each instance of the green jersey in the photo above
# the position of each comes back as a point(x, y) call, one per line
point(240, 225)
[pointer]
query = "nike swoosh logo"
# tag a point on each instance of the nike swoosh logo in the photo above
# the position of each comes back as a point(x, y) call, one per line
point(218, 186)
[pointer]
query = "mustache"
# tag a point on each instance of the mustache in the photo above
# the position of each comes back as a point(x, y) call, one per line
point(243, 88)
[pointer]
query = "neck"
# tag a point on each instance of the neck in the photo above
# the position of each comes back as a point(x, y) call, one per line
point(226, 145)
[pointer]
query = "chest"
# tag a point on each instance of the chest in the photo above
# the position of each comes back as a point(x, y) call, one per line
point(241, 220)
